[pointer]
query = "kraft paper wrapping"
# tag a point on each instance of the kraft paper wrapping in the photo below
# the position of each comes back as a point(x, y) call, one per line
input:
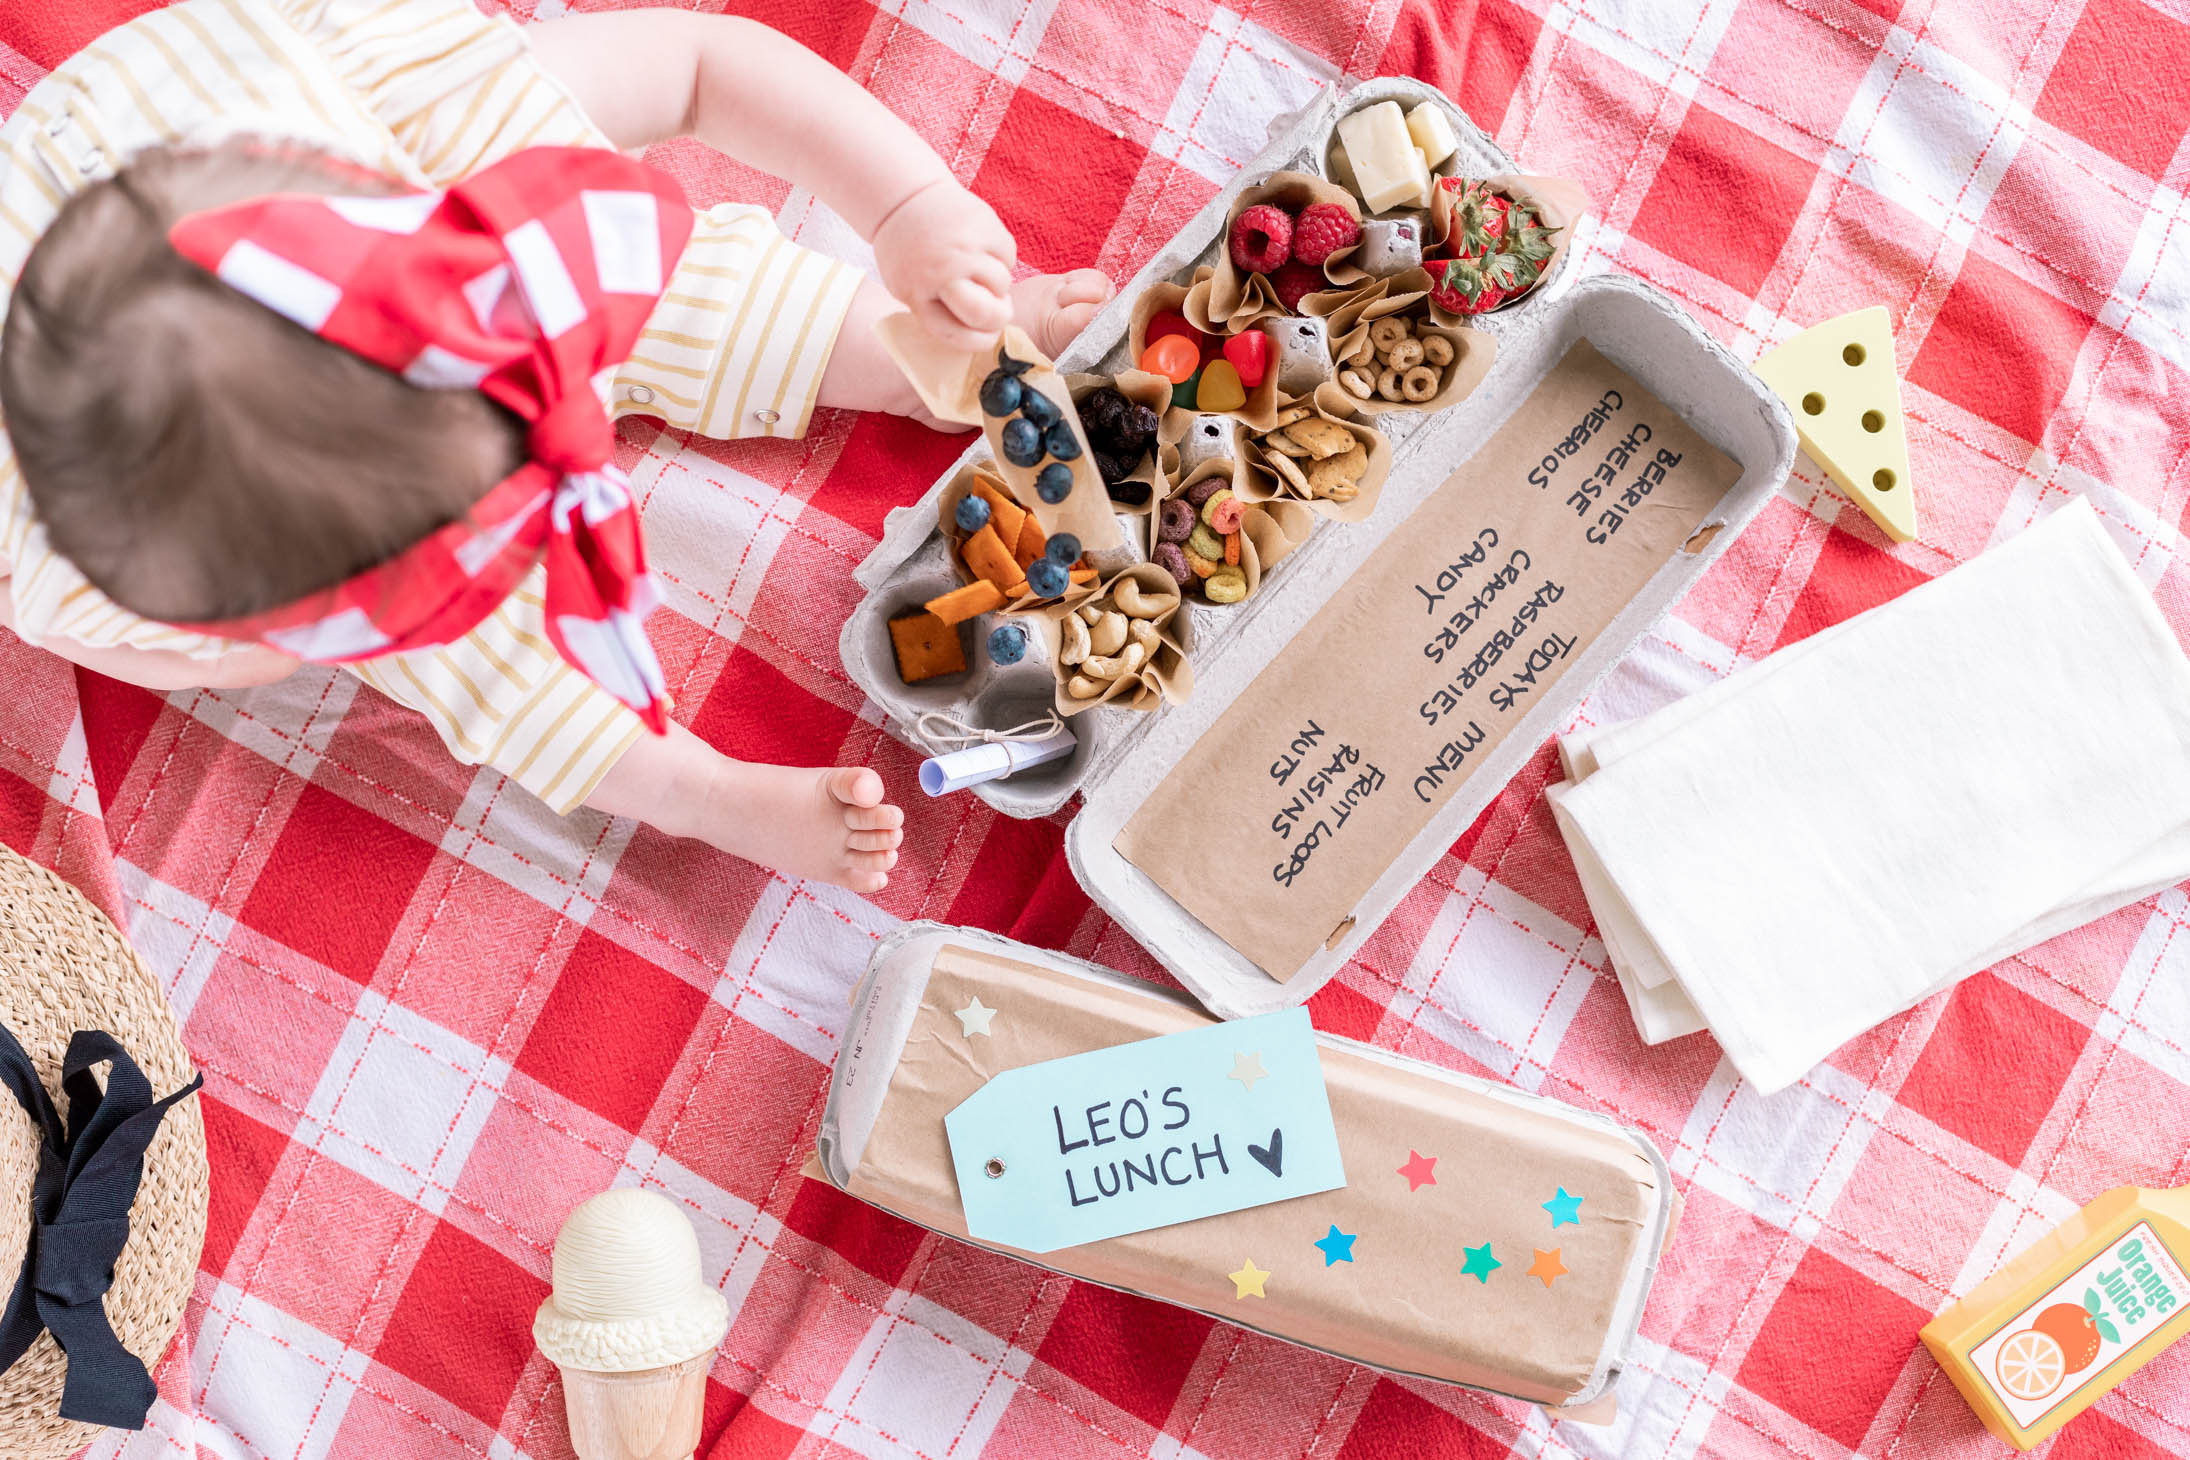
point(1294, 802)
point(1402, 1303)
point(949, 385)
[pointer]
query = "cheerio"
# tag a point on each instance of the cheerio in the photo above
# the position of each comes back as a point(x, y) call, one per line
point(2092, 1301)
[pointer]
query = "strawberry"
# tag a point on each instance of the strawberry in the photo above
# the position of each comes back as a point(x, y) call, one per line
point(1496, 250)
point(1321, 230)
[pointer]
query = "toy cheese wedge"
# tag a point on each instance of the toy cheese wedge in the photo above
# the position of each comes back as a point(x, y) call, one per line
point(1479, 1235)
point(1839, 380)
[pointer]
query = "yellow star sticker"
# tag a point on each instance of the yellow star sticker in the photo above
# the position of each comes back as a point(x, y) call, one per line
point(1547, 1265)
point(1248, 1280)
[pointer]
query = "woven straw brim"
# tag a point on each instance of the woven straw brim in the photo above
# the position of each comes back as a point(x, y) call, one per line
point(64, 967)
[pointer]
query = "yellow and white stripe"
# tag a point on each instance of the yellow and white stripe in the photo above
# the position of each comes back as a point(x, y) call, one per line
point(426, 91)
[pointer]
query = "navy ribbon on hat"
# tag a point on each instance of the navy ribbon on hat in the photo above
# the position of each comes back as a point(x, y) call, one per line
point(88, 1175)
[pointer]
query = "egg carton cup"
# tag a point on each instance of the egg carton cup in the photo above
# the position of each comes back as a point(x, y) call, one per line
point(912, 553)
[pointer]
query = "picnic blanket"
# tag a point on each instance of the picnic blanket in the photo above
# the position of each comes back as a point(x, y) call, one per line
point(432, 1016)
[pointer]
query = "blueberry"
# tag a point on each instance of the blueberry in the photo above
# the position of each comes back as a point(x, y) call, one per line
point(1008, 643)
point(972, 514)
point(1039, 409)
point(1022, 443)
point(1010, 366)
point(1048, 578)
point(1000, 393)
point(1063, 548)
point(1053, 483)
point(1061, 441)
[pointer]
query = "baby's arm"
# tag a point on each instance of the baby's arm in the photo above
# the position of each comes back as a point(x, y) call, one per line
point(647, 75)
point(161, 669)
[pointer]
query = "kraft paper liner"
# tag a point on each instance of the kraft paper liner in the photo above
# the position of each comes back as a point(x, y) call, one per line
point(1254, 480)
point(1362, 670)
point(949, 385)
point(1558, 202)
point(1145, 389)
point(946, 522)
point(1402, 1303)
point(1347, 318)
point(1268, 531)
point(1165, 677)
point(1234, 301)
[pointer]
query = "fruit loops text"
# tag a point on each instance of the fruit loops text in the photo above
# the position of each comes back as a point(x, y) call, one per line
point(1331, 794)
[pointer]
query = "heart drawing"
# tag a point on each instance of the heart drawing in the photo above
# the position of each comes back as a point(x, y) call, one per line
point(1271, 1156)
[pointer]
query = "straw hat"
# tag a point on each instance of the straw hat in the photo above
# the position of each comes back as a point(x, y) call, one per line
point(64, 967)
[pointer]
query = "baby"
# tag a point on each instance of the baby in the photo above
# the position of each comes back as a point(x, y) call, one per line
point(199, 462)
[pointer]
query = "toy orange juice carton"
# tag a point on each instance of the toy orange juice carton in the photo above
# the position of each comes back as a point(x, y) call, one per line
point(2039, 1341)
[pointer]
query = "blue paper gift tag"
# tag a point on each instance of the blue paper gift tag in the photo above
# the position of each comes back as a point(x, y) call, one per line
point(1146, 1134)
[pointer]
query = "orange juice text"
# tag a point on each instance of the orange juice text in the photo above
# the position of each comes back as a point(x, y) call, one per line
point(2039, 1341)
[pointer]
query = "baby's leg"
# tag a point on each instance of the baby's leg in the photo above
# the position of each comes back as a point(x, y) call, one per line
point(828, 823)
point(1051, 308)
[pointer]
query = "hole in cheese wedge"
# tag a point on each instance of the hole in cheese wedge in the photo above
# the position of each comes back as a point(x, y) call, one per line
point(1838, 377)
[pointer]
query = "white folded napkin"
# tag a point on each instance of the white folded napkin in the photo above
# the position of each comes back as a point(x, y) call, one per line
point(1810, 846)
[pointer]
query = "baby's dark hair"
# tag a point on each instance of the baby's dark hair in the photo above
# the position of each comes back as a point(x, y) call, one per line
point(193, 453)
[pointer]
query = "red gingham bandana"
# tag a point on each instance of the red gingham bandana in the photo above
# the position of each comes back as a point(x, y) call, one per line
point(528, 281)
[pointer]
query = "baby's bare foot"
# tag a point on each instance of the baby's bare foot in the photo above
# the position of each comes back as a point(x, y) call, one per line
point(830, 824)
point(1054, 308)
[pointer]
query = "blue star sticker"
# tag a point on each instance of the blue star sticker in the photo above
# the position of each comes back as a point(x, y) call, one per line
point(1564, 1208)
point(1337, 1246)
point(1480, 1263)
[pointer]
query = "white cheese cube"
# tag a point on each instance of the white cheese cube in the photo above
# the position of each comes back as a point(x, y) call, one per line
point(1432, 132)
point(1388, 171)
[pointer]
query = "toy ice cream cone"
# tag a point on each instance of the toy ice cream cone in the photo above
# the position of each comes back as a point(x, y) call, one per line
point(633, 1327)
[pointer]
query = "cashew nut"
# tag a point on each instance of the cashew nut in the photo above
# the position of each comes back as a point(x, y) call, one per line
point(1080, 687)
point(1089, 613)
point(1115, 665)
point(1134, 602)
point(1144, 634)
point(1076, 645)
point(1108, 635)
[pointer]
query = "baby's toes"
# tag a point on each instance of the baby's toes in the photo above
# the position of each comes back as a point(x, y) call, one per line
point(855, 786)
point(874, 818)
point(874, 841)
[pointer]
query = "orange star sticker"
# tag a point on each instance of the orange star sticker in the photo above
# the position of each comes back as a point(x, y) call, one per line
point(1420, 1170)
point(1547, 1265)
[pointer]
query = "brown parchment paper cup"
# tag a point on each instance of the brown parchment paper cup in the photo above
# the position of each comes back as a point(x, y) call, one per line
point(1557, 201)
point(1166, 676)
point(1268, 531)
point(1257, 479)
point(1145, 389)
point(948, 382)
point(1348, 325)
point(946, 522)
point(1235, 300)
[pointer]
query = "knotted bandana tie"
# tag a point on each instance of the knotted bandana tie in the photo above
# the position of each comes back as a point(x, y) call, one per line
point(528, 281)
point(79, 1221)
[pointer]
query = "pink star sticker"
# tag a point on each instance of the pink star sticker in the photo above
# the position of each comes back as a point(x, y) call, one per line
point(1420, 1170)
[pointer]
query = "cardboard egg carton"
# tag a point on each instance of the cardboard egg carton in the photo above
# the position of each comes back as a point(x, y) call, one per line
point(1123, 755)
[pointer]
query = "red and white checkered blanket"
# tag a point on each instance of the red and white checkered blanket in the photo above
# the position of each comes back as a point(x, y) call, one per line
point(431, 1016)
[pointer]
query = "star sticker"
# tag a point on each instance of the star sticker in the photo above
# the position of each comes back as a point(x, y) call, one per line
point(1480, 1263)
point(1247, 1068)
point(1547, 1265)
point(1248, 1281)
point(974, 1018)
point(1420, 1170)
point(1337, 1246)
point(1564, 1208)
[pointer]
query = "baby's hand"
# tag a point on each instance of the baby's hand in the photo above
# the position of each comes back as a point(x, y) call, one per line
point(945, 254)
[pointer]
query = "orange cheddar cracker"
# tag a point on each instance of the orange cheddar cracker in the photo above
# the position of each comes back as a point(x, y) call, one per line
point(1033, 542)
point(987, 557)
point(971, 601)
point(1005, 515)
point(925, 647)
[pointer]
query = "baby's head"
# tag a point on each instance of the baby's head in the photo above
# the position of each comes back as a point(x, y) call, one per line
point(197, 456)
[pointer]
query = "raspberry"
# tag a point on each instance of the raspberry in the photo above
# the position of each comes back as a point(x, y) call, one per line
point(1295, 282)
point(1262, 239)
point(1322, 230)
